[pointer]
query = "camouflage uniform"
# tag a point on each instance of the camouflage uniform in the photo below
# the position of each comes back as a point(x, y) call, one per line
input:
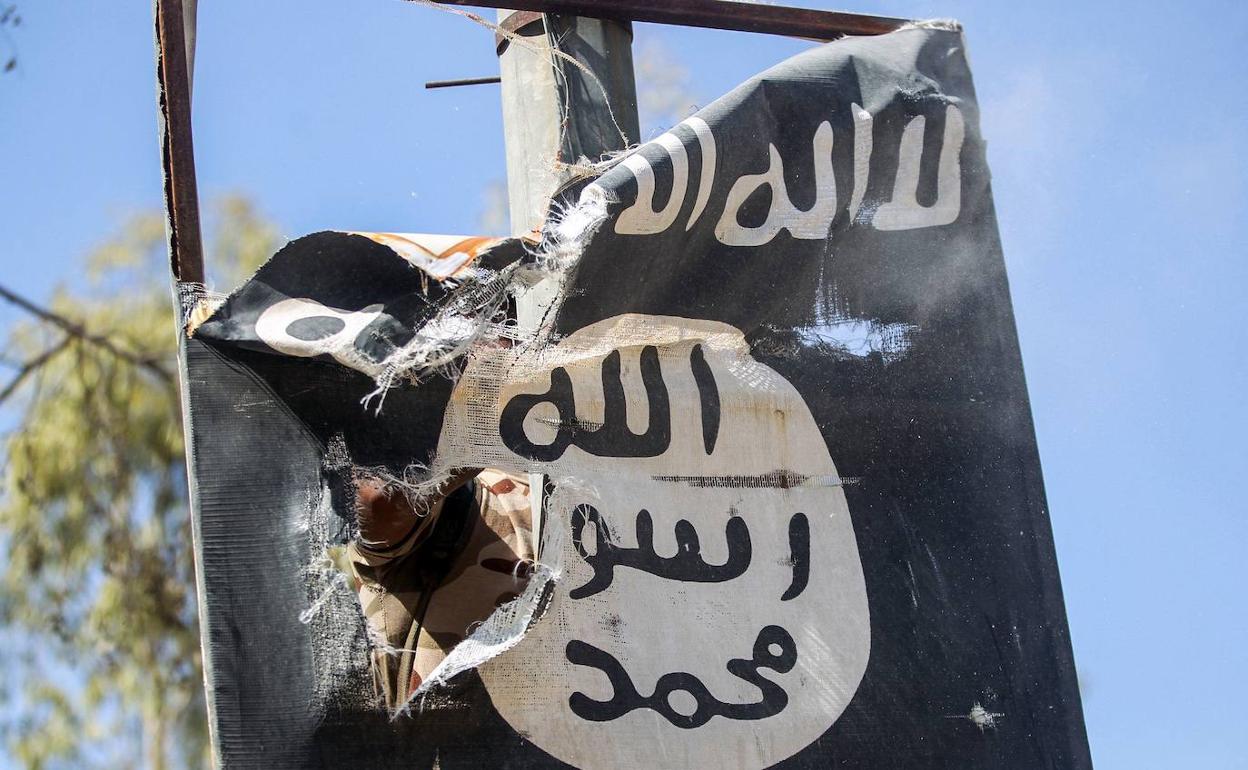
point(426, 581)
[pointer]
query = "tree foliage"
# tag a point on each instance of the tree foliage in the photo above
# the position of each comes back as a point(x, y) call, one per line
point(97, 589)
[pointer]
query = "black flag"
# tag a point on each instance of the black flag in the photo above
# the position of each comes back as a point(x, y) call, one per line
point(796, 516)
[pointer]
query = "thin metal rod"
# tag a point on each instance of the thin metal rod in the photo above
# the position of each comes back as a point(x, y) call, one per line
point(186, 251)
point(714, 14)
point(463, 82)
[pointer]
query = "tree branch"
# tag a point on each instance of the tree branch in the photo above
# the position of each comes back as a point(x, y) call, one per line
point(77, 331)
point(30, 367)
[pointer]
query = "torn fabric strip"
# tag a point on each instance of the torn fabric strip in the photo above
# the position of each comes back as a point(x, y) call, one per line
point(794, 513)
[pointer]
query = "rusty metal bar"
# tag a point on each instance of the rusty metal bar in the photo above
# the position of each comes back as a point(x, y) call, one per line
point(713, 14)
point(186, 250)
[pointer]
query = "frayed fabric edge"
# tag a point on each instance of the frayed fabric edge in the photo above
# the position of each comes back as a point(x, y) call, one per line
point(473, 317)
point(498, 633)
point(569, 229)
point(507, 626)
point(948, 25)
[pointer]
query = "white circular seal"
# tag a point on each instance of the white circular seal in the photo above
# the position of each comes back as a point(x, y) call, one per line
point(709, 608)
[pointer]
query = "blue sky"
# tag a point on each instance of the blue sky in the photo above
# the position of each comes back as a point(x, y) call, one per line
point(1116, 136)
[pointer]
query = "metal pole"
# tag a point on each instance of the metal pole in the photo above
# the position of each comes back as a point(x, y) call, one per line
point(552, 111)
point(174, 38)
point(175, 54)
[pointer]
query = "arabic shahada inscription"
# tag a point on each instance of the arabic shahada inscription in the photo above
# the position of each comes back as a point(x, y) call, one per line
point(712, 603)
